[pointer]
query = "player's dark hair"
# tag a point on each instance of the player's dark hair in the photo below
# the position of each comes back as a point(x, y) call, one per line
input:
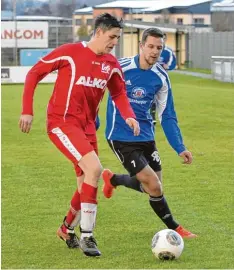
point(106, 21)
point(151, 32)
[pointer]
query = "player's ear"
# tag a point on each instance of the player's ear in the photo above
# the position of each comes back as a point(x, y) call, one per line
point(98, 32)
point(140, 44)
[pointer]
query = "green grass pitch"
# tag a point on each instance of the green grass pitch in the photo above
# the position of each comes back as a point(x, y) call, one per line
point(38, 182)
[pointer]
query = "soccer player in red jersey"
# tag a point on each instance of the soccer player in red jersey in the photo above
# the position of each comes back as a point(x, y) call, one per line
point(84, 72)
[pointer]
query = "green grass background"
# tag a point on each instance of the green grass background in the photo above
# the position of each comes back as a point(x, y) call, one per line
point(38, 182)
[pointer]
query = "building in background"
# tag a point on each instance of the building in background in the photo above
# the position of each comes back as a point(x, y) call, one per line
point(186, 22)
point(180, 12)
point(222, 16)
point(176, 18)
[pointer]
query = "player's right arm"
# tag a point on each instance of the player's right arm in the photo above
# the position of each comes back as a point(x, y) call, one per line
point(116, 86)
point(46, 65)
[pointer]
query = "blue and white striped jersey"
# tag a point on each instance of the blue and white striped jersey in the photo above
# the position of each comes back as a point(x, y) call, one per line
point(143, 88)
point(168, 57)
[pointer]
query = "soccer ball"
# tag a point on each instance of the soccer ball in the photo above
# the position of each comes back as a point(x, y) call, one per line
point(167, 245)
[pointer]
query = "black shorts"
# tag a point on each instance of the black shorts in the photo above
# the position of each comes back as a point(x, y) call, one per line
point(135, 156)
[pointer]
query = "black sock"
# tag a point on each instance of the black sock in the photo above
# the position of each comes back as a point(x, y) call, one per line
point(160, 207)
point(127, 181)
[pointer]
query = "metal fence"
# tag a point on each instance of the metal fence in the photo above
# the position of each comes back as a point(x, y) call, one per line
point(58, 35)
point(202, 46)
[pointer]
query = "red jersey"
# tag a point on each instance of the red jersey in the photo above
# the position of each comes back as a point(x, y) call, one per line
point(82, 79)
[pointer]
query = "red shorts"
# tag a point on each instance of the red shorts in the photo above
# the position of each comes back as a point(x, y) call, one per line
point(73, 142)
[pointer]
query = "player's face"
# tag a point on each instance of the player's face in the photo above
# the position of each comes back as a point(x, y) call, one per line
point(109, 39)
point(152, 49)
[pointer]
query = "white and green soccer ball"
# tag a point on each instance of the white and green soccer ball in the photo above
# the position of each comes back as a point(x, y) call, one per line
point(167, 245)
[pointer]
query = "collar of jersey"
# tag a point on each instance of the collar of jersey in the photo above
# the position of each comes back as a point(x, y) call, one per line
point(136, 59)
point(137, 62)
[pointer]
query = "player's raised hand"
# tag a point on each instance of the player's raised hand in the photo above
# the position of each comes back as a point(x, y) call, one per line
point(25, 122)
point(187, 157)
point(133, 124)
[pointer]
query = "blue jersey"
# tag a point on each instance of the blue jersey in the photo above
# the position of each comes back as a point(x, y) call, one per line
point(143, 88)
point(168, 57)
point(97, 123)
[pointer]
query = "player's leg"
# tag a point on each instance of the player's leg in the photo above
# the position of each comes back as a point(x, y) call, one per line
point(134, 161)
point(73, 143)
point(89, 197)
point(123, 151)
point(153, 157)
point(137, 165)
point(154, 160)
point(92, 169)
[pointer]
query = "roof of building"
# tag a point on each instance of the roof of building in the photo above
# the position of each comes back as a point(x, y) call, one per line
point(143, 6)
point(128, 4)
point(87, 10)
point(165, 28)
point(226, 5)
point(162, 4)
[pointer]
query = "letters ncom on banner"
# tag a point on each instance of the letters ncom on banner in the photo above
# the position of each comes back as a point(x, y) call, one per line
point(24, 34)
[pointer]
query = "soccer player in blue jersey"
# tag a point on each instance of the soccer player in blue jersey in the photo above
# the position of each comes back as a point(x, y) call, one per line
point(167, 60)
point(146, 81)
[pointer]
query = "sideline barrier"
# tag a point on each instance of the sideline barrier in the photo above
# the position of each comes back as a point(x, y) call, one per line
point(223, 68)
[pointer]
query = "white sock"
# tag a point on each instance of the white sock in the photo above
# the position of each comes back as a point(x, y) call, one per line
point(76, 220)
point(85, 235)
point(88, 218)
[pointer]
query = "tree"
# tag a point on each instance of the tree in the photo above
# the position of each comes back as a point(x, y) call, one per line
point(82, 30)
point(45, 9)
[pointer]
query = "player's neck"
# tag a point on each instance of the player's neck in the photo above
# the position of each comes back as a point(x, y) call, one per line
point(143, 64)
point(92, 45)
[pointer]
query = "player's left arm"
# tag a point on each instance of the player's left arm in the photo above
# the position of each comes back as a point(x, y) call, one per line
point(167, 117)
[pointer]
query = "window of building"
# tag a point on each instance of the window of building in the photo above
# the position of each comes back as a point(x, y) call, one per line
point(157, 20)
point(78, 21)
point(138, 19)
point(89, 21)
point(179, 21)
point(198, 21)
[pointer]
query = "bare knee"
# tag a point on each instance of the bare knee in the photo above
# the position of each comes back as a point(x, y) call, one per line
point(150, 182)
point(94, 171)
point(155, 188)
point(92, 168)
